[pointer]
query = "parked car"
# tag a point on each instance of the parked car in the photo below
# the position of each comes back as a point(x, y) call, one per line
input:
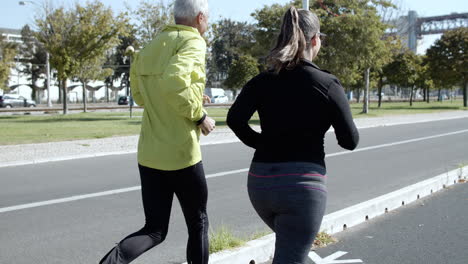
point(219, 99)
point(124, 100)
point(14, 100)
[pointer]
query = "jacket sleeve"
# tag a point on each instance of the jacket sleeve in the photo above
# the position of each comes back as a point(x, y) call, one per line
point(177, 84)
point(342, 119)
point(134, 84)
point(239, 115)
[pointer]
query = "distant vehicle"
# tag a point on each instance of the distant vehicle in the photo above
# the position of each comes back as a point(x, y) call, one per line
point(124, 100)
point(219, 99)
point(217, 95)
point(14, 100)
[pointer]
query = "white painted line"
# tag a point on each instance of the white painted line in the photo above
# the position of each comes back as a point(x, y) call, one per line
point(332, 258)
point(68, 199)
point(397, 143)
point(214, 175)
point(220, 174)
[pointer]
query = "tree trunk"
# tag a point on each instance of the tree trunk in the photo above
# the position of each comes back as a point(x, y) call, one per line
point(358, 97)
point(411, 96)
point(107, 93)
point(439, 97)
point(465, 94)
point(60, 92)
point(428, 95)
point(380, 91)
point(365, 108)
point(64, 96)
point(85, 105)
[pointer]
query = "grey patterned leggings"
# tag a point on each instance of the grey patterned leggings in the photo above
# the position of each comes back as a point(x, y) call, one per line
point(290, 198)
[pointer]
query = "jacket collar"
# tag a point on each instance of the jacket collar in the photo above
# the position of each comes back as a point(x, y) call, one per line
point(181, 27)
point(310, 63)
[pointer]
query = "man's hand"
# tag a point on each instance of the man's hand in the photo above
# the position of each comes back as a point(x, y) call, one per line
point(207, 126)
point(206, 99)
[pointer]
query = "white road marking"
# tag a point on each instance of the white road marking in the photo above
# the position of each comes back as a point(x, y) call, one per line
point(68, 199)
point(214, 175)
point(332, 258)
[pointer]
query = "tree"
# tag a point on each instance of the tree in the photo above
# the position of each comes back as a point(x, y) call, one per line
point(242, 70)
point(424, 79)
point(356, 40)
point(405, 71)
point(91, 70)
point(119, 61)
point(448, 60)
point(151, 17)
point(230, 40)
point(75, 36)
point(33, 60)
point(268, 27)
point(7, 57)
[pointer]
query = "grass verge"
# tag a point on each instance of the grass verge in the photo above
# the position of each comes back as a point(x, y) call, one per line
point(323, 239)
point(224, 239)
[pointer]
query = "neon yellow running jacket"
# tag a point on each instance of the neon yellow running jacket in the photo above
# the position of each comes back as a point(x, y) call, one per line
point(168, 80)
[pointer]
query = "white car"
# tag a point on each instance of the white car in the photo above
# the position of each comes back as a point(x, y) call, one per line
point(219, 99)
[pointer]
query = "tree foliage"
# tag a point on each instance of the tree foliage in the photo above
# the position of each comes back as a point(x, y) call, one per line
point(76, 36)
point(448, 60)
point(150, 18)
point(230, 40)
point(243, 69)
point(405, 71)
point(33, 59)
point(7, 57)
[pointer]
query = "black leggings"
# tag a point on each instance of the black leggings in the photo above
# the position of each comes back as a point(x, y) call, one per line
point(158, 189)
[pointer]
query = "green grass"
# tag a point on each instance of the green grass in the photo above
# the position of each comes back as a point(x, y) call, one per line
point(223, 239)
point(405, 108)
point(36, 129)
point(23, 129)
point(323, 239)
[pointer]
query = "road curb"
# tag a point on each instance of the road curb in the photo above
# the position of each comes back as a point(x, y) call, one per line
point(261, 250)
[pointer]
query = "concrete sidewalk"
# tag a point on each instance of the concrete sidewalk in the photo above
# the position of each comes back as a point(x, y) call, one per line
point(17, 155)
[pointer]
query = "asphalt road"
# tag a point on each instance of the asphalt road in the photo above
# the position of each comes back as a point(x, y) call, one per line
point(82, 231)
point(430, 231)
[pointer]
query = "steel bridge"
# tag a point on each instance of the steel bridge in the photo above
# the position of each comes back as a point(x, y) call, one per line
point(412, 27)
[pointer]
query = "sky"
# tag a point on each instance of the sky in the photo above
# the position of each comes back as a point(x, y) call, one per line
point(12, 15)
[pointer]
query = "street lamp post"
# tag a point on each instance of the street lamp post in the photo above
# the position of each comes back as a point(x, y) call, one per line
point(129, 51)
point(49, 100)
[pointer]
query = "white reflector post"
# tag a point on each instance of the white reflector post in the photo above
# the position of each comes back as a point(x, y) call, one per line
point(305, 4)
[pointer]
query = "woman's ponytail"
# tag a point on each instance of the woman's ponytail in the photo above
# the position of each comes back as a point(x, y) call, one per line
point(292, 41)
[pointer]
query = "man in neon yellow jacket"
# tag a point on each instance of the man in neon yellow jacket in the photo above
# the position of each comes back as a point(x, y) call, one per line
point(168, 80)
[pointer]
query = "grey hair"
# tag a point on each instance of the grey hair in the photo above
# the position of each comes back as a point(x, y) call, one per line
point(189, 9)
point(297, 30)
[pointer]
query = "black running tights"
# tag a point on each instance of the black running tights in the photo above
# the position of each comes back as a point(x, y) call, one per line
point(158, 189)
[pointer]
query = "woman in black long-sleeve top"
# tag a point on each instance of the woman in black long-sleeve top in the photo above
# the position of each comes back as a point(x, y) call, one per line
point(297, 103)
